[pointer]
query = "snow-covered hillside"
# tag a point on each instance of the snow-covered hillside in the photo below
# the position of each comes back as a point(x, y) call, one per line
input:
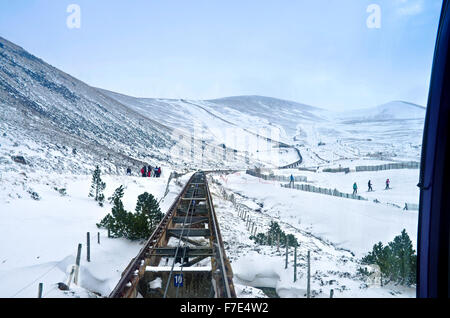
point(337, 232)
point(54, 129)
point(43, 105)
point(390, 132)
point(397, 110)
point(246, 131)
point(44, 109)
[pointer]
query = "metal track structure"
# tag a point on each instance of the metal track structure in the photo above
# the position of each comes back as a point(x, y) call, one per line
point(191, 215)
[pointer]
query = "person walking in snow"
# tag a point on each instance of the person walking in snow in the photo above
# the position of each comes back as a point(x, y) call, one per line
point(143, 172)
point(128, 171)
point(388, 182)
point(159, 172)
point(291, 181)
point(355, 188)
point(370, 186)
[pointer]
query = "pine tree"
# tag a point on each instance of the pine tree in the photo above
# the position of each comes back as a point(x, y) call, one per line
point(403, 260)
point(397, 260)
point(272, 234)
point(97, 187)
point(381, 256)
point(147, 205)
point(118, 194)
point(133, 226)
point(119, 221)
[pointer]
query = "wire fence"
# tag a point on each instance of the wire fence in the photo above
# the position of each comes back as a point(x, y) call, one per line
point(411, 206)
point(390, 166)
point(337, 170)
point(335, 192)
point(275, 177)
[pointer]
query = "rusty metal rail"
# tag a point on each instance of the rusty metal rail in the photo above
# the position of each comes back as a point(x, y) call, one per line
point(202, 223)
point(126, 288)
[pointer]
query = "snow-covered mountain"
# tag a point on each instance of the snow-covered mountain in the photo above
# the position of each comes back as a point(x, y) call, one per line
point(234, 122)
point(322, 136)
point(396, 110)
point(57, 121)
point(43, 106)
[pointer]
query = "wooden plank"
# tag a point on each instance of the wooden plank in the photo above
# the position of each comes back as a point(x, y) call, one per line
point(190, 232)
point(189, 219)
point(185, 239)
point(183, 251)
point(197, 213)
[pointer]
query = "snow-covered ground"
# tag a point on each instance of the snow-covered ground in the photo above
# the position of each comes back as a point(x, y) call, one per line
point(40, 238)
point(403, 183)
point(337, 232)
point(63, 128)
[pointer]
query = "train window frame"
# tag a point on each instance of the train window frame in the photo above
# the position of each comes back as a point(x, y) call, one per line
point(433, 265)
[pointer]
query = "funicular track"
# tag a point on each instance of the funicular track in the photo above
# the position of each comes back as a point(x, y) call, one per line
point(164, 269)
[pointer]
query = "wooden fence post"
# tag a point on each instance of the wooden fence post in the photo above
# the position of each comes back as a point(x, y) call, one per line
point(295, 264)
point(278, 242)
point(41, 287)
point(287, 254)
point(88, 244)
point(308, 286)
point(77, 264)
point(71, 275)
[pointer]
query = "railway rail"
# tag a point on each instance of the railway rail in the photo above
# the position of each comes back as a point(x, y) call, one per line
point(185, 256)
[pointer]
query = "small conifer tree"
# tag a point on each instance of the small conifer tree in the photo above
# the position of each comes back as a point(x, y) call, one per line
point(97, 187)
point(147, 205)
point(133, 226)
point(271, 237)
point(397, 260)
point(118, 194)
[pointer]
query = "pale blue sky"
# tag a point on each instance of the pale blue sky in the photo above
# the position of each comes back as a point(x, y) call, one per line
point(316, 52)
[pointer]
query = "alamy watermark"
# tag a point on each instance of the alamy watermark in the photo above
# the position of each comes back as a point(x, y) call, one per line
point(232, 145)
point(74, 19)
point(374, 19)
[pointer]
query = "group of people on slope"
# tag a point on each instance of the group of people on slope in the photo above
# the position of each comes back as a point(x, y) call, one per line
point(369, 184)
point(151, 172)
point(148, 172)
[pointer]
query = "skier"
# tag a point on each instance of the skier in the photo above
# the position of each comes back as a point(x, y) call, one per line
point(143, 172)
point(355, 188)
point(128, 171)
point(155, 172)
point(291, 181)
point(159, 172)
point(387, 184)
point(370, 186)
